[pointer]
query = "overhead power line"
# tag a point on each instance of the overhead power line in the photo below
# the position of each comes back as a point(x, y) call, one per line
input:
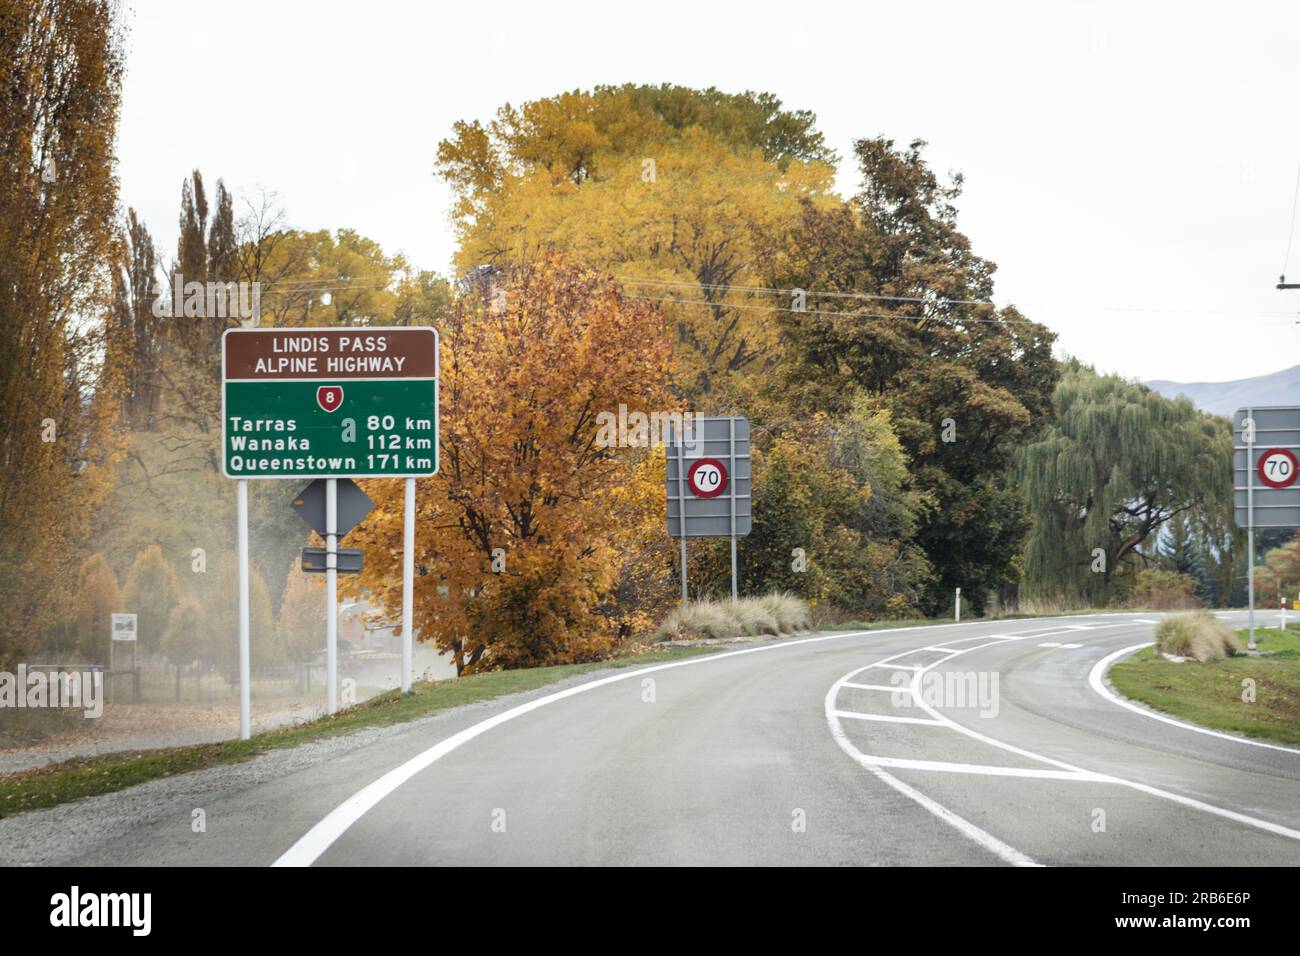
point(809, 292)
point(383, 281)
point(940, 300)
point(1290, 235)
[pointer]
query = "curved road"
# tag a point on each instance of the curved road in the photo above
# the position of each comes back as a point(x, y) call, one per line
point(982, 743)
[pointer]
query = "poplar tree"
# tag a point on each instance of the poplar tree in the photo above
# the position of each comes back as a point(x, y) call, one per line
point(60, 77)
point(151, 594)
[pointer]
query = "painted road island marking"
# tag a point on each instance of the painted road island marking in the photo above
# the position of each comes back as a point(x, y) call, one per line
point(1065, 771)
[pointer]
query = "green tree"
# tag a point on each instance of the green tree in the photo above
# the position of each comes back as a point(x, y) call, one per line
point(1182, 549)
point(838, 491)
point(801, 501)
point(151, 594)
point(1115, 464)
point(901, 319)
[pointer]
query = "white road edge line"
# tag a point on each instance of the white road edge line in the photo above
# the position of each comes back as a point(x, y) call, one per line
point(1097, 680)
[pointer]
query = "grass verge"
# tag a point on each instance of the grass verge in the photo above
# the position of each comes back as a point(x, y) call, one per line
point(87, 776)
point(1210, 693)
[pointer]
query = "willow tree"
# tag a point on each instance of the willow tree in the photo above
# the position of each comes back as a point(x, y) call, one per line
point(1114, 465)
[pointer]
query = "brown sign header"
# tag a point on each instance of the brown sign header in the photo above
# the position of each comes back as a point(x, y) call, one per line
point(329, 353)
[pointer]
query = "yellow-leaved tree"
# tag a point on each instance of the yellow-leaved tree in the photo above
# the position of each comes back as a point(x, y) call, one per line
point(683, 195)
point(526, 532)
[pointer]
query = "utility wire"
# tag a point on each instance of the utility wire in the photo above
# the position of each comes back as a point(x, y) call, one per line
point(1290, 236)
point(957, 320)
point(940, 300)
point(810, 292)
point(343, 284)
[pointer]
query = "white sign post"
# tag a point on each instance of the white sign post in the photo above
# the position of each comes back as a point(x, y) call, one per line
point(331, 595)
point(245, 650)
point(408, 580)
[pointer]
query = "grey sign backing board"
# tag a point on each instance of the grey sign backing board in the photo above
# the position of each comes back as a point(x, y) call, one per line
point(1269, 458)
point(717, 498)
point(351, 508)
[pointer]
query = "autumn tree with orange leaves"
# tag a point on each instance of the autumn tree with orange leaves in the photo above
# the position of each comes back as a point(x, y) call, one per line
point(531, 355)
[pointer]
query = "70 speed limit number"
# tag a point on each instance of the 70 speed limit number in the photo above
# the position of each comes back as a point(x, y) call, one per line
point(1277, 468)
point(707, 478)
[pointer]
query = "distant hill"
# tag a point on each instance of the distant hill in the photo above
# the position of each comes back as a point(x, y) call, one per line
point(1224, 398)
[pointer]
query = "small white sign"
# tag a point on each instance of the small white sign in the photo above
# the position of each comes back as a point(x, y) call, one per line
point(124, 627)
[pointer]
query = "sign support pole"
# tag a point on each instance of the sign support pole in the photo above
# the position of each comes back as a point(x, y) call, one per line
point(681, 507)
point(245, 694)
point(685, 599)
point(331, 595)
point(731, 486)
point(408, 582)
point(1250, 526)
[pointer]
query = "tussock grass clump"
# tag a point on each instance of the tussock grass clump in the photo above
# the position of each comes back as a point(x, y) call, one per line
point(771, 614)
point(753, 617)
point(792, 614)
point(1199, 635)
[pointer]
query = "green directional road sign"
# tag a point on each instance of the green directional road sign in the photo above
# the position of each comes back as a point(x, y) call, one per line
point(330, 403)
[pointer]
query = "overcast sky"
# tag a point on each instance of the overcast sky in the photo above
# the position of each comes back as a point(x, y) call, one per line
point(1130, 167)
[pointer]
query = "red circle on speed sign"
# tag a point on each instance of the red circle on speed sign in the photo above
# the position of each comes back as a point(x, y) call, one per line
point(707, 478)
point(1277, 468)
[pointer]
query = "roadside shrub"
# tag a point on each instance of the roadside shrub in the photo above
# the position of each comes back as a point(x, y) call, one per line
point(1199, 635)
point(1164, 590)
point(773, 614)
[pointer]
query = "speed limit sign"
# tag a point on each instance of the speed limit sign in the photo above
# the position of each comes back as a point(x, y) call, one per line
point(1277, 468)
point(707, 478)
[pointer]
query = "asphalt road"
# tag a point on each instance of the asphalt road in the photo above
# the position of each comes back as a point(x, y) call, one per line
point(971, 744)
